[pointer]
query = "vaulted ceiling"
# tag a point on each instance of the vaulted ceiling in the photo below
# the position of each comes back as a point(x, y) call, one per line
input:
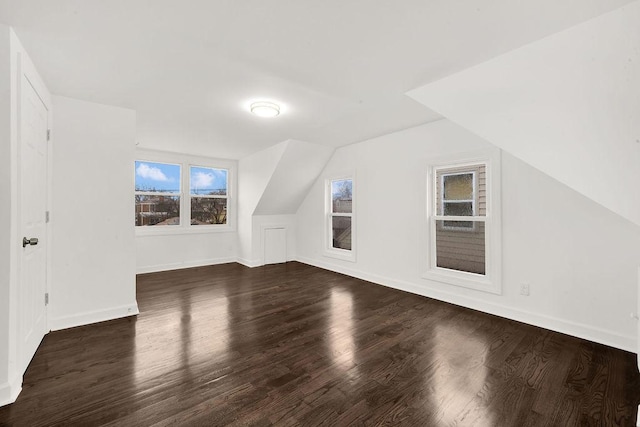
point(567, 104)
point(340, 69)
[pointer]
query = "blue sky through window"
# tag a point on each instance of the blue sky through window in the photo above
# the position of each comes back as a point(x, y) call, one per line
point(203, 181)
point(342, 189)
point(162, 177)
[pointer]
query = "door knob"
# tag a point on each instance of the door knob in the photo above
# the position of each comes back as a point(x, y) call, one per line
point(32, 241)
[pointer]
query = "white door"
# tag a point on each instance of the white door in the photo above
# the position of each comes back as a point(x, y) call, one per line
point(33, 125)
point(275, 245)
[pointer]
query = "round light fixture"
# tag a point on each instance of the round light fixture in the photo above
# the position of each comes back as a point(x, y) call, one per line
point(265, 109)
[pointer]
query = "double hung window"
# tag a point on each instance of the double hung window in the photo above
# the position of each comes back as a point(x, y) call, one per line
point(208, 191)
point(464, 222)
point(340, 218)
point(460, 234)
point(183, 195)
point(158, 193)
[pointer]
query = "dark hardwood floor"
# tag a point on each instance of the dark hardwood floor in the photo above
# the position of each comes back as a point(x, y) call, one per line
point(292, 344)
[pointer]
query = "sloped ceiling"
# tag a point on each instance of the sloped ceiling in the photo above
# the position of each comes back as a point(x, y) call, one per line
point(297, 170)
point(254, 173)
point(568, 104)
point(339, 68)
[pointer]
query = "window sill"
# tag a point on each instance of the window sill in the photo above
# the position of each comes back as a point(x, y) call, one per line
point(169, 230)
point(466, 280)
point(340, 254)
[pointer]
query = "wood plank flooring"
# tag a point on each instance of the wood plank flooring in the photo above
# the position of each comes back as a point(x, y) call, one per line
point(293, 345)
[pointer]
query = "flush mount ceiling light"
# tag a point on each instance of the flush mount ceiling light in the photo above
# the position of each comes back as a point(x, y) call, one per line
point(265, 109)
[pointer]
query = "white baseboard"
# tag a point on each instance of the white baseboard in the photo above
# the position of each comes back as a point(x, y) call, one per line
point(260, 262)
point(87, 318)
point(10, 390)
point(250, 263)
point(202, 263)
point(602, 336)
point(180, 265)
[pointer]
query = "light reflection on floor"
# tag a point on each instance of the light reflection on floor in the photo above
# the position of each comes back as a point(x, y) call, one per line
point(458, 379)
point(197, 339)
point(341, 327)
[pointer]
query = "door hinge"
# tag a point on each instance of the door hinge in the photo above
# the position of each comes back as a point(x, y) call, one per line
point(46, 298)
point(46, 216)
point(48, 134)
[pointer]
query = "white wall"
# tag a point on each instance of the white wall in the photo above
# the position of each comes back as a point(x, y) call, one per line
point(173, 251)
point(275, 179)
point(254, 174)
point(272, 184)
point(172, 247)
point(567, 104)
point(260, 222)
point(93, 245)
point(579, 258)
point(297, 169)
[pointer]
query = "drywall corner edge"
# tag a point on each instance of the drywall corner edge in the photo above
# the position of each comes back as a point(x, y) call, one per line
point(249, 263)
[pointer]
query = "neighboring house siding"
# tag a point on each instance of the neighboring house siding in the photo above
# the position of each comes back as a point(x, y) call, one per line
point(463, 249)
point(342, 232)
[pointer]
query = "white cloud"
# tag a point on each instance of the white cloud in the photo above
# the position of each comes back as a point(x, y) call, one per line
point(202, 180)
point(145, 171)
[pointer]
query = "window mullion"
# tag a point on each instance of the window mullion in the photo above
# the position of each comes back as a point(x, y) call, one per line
point(460, 218)
point(208, 196)
point(157, 193)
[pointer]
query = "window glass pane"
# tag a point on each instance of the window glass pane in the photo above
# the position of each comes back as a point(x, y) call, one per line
point(207, 181)
point(460, 246)
point(207, 210)
point(456, 184)
point(341, 232)
point(161, 177)
point(458, 208)
point(157, 210)
point(458, 224)
point(341, 196)
point(458, 187)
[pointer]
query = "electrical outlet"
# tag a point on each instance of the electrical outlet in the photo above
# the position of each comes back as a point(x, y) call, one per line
point(524, 288)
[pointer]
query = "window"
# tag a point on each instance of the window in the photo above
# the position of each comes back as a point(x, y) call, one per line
point(460, 244)
point(191, 194)
point(464, 222)
point(157, 193)
point(208, 189)
point(457, 197)
point(340, 221)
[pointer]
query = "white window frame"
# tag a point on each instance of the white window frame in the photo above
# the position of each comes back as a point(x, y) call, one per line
point(208, 196)
point(491, 281)
point(185, 161)
point(329, 250)
point(162, 193)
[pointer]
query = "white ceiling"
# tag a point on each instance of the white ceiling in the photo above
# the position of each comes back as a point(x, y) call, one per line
point(568, 105)
point(339, 68)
